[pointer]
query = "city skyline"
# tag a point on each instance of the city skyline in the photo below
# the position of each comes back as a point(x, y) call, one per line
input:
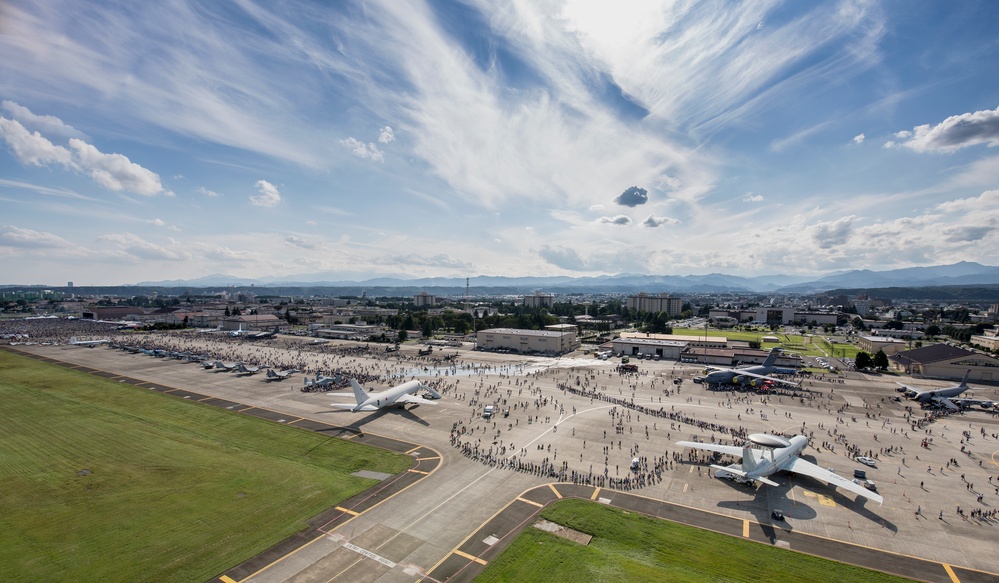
point(404, 139)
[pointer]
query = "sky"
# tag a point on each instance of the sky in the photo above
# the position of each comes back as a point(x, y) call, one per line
point(309, 141)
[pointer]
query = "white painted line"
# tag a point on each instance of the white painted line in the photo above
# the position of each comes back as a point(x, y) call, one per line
point(370, 555)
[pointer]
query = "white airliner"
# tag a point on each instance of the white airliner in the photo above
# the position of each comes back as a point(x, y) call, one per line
point(90, 343)
point(782, 455)
point(400, 395)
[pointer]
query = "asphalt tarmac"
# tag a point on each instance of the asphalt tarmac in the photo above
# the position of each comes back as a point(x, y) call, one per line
point(486, 479)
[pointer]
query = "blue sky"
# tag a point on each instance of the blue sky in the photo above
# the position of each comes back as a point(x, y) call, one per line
point(171, 140)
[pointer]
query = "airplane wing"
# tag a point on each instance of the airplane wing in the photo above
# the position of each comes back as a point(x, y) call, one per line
point(807, 468)
point(353, 407)
point(944, 402)
point(760, 376)
point(715, 447)
point(415, 399)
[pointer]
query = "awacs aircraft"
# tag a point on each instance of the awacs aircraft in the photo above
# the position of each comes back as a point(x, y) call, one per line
point(400, 395)
point(750, 375)
point(783, 455)
point(942, 397)
point(280, 375)
point(90, 343)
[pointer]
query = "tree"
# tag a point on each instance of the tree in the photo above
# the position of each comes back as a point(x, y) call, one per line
point(863, 361)
point(403, 335)
point(933, 330)
point(881, 360)
point(858, 323)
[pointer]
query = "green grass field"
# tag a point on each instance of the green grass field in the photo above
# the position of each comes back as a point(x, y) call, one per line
point(102, 481)
point(633, 547)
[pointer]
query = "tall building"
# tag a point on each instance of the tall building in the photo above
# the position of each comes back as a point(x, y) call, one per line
point(539, 300)
point(643, 302)
point(423, 299)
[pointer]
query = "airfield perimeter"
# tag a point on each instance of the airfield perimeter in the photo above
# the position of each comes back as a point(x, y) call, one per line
point(432, 527)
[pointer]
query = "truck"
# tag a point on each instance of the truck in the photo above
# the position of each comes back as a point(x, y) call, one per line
point(488, 411)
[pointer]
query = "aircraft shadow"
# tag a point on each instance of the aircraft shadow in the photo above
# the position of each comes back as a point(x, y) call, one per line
point(361, 421)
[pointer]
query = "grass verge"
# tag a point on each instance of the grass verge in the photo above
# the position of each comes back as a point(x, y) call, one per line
point(633, 547)
point(103, 481)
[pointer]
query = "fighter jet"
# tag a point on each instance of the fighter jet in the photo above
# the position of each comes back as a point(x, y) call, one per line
point(400, 395)
point(280, 375)
point(750, 375)
point(782, 455)
point(322, 381)
point(262, 335)
point(243, 369)
point(227, 367)
point(940, 397)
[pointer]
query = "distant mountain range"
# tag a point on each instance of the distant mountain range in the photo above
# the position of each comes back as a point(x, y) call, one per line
point(963, 273)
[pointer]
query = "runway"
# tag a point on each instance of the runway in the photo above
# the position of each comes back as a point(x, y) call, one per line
point(416, 526)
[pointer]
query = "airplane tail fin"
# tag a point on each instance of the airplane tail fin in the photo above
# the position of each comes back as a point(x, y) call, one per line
point(964, 381)
point(270, 373)
point(73, 340)
point(748, 461)
point(772, 357)
point(359, 393)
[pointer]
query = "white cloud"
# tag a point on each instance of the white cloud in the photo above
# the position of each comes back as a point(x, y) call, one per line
point(303, 242)
point(955, 132)
point(31, 147)
point(47, 124)
point(11, 236)
point(563, 257)
point(654, 221)
point(361, 150)
point(133, 247)
point(158, 222)
point(832, 233)
point(858, 139)
point(621, 220)
point(209, 193)
point(114, 171)
point(750, 197)
point(268, 195)
point(386, 135)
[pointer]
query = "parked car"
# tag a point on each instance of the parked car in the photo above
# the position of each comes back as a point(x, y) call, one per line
point(777, 515)
point(867, 461)
point(860, 474)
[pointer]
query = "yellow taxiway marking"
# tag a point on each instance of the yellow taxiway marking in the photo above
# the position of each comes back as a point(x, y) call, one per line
point(596, 492)
point(745, 528)
point(552, 486)
point(414, 449)
point(950, 573)
point(245, 410)
point(348, 511)
point(427, 459)
point(532, 502)
point(205, 399)
point(470, 557)
point(294, 421)
point(994, 462)
point(691, 470)
point(226, 579)
point(685, 486)
point(352, 436)
point(418, 472)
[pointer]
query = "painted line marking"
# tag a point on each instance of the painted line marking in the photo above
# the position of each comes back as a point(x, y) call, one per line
point(351, 436)
point(470, 557)
point(226, 579)
point(205, 399)
point(745, 529)
point(532, 502)
point(414, 449)
point(370, 555)
point(685, 486)
point(427, 459)
point(417, 472)
point(950, 573)
point(294, 421)
point(596, 492)
point(552, 486)
point(347, 511)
